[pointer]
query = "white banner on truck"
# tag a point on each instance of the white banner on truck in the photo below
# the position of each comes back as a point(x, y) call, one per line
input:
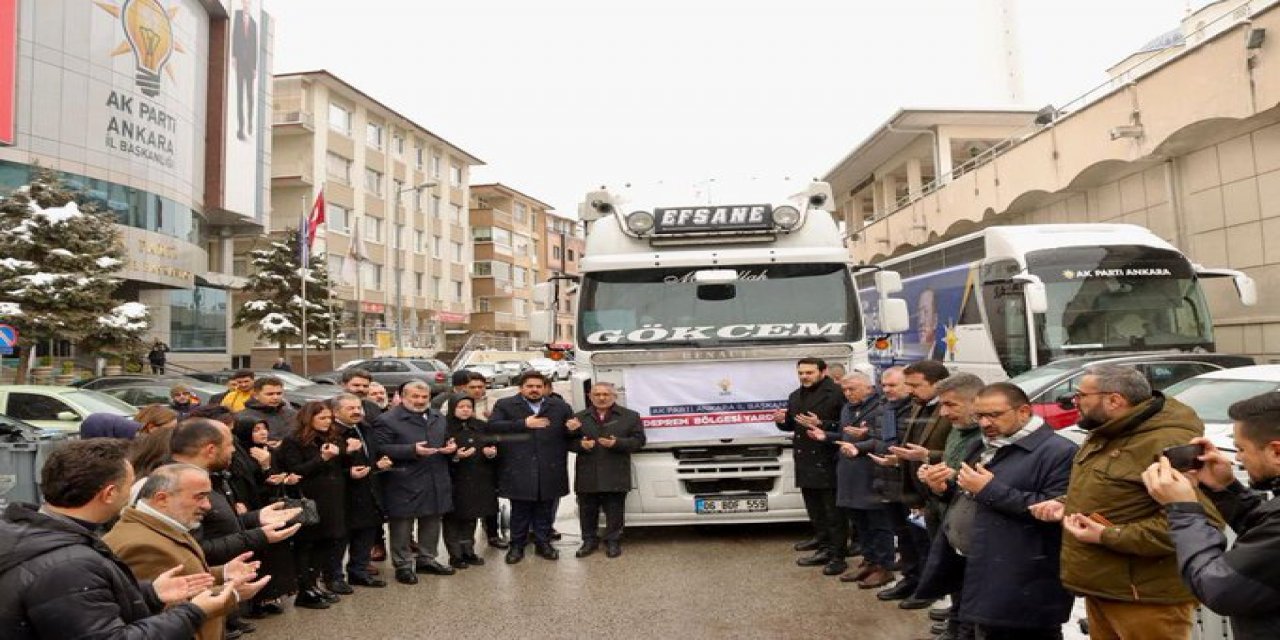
point(707, 401)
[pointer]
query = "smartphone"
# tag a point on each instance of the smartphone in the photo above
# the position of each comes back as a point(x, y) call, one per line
point(1184, 457)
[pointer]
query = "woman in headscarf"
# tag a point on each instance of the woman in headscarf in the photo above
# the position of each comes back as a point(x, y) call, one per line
point(475, 484)
point(255, 483)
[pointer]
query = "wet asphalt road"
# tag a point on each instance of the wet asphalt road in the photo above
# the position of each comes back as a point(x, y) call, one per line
point(685, 582)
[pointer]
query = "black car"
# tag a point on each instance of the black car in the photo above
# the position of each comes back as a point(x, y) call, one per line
point(1052, 386)
point(297, 389)
point(141, 394)
point(393, 372)
point(102, 383)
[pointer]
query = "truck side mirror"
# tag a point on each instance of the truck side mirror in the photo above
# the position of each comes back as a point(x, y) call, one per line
point(893, 315)
point(542, 326)
point(888, 282)
point(1033, 288)
point(544, 295)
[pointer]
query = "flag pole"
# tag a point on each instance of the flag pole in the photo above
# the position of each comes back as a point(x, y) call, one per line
point(359, 258)
point(302, 273)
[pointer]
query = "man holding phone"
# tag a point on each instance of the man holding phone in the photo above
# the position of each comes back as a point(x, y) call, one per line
point(812, 413)
point(1243, 582)
point(1117, 552)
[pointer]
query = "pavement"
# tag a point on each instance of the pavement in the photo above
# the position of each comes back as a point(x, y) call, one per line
point(686, 582)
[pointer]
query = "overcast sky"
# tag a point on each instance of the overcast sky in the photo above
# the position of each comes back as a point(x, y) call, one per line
point(561, 96)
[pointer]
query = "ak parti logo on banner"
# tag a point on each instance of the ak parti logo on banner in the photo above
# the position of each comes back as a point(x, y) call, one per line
point(149, 34)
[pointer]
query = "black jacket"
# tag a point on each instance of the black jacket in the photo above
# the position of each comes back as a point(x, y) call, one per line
point(475, 479)
point(281, 419)
point(601, 469)
point(58, 580)
point(534, 466)
point(859, 479)
point(815, 461)
point(1243, 582)
point(415, 486)
point(324, 481)
point(223, 534)
point(1010, 575)
point(364, 500)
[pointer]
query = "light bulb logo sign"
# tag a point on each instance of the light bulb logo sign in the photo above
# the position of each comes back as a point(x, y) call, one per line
point(148, 29)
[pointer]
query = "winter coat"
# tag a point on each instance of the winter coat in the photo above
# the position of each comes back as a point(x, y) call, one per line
point(815, 460)
point(856, 486)
point(150, 547)
point(108, 425)
point(1136, 560)
point(223, 534)
point(533, 464)
point(601, 469)
point(364, 499)
point(324, 481)
point(248, 480)
point(926, 427)
point(1242, 582)
point(475, 479)
point(416, 485)
point(281, 419)
point(1010, 574)
point(58, 580)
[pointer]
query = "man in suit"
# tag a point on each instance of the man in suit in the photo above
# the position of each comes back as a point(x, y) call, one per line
point(365, 514)
point(155, 536)
point(533, 471)
point(608, 433)
point(417, 488)
point(244, 51)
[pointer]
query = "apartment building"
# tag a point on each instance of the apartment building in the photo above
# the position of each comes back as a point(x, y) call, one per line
point(397, 200)
point(504, 237)
point(563, 240)
point(1184, 140)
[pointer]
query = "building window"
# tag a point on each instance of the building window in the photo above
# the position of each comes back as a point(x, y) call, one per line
point(397, 144)
point(556, 253)
point(482, 305)
point(571, 258)
point(502, 239)
point(457, 291)
point(521, 213)
point(336, 263)
point(419, 241)
point(397, 189)
point(436, 163)
point(482, 234)
point(198, 320)
point(372, 275)
point(437, 245)
point(339, 119)
point(437, 286)
point(373, 229)
point(418, 278)
point(373, 181)
point(373, 135)
point(520, 308)
point(435, 206)
point(457, 251)
point(418, 155)
point(337, 218)
point(519, 276)
point(455, 175)
point(456, 210)
point(399, 236)
point(338, 167)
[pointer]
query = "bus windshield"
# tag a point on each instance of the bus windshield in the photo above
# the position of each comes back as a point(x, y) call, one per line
point(1118, 298)
point(766, 304)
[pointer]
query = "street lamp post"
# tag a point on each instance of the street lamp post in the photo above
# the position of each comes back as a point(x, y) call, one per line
point(399, 228)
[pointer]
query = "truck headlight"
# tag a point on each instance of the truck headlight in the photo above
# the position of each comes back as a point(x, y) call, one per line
point(786, 218)
point(640, 222)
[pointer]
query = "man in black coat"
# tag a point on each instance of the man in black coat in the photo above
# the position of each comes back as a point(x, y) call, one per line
point(58, 580)
point(356, 382)
point(812, 411)
point(1242, 582)
point(365, 515)
point(268, 405)
point(861, 434)
point(416, 490)
point(533, 469)
point(609, 433)
point(990, 548)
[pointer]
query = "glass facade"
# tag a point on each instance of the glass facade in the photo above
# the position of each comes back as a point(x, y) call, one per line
point(133, 207)
point(198, 320)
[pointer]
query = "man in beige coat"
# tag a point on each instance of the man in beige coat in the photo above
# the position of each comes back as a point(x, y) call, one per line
point(154, 536)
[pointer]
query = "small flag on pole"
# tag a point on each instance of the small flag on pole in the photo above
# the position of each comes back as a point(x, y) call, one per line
point(355, 256)
point(317, 218)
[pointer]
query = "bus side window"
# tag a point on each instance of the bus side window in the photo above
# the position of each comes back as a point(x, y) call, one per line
point(1007, 315)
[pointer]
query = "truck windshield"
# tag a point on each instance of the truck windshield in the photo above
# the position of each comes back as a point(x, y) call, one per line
point(766, 304)
point(1118, 298)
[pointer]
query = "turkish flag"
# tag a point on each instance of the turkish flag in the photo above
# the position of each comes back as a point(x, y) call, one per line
point(316, 219)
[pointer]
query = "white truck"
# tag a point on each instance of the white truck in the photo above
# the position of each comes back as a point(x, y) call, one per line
point(698, 315)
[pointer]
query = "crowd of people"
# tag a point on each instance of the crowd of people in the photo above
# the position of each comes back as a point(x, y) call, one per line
point(957, 492)
point(193, 518)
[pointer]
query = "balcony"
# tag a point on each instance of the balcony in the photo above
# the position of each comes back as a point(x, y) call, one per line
point(498, 321)
point(292, 173)
point(292, 120)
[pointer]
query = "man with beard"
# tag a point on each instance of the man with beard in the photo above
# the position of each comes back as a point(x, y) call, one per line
point(533, 462)
point(378, 395)
point(1242, 582)
point(268, 405)
point(812, 410)
point(357, 382)
point(154, 536)
point(365, 514)
point(417, 491)
point(1117, 552)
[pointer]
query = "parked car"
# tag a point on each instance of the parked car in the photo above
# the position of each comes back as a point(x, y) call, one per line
point(141, 394)
point(495, 377)
point(514, 368)
point(393, 372)
point(297, 389)
point(106, 382)
point(554, 369)
point(1051, 387)
point(15, 430)
point(1213, 393)
point(57, 408)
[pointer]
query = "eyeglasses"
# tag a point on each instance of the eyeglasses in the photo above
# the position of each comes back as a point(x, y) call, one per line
point(1075, 397)
point(992, 415)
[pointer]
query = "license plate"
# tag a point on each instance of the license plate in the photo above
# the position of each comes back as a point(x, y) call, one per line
point(733, 504)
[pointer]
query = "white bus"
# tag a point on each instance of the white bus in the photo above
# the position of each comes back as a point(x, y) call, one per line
point(698, 315)
point(1006, 299)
